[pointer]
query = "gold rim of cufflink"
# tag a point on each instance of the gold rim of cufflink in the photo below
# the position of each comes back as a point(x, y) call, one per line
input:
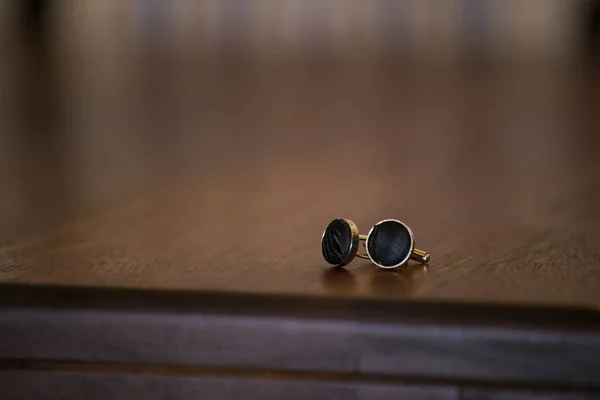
point(395, 246)
point(340, 242)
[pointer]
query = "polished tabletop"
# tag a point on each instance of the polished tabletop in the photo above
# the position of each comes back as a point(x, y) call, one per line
point(221, 173)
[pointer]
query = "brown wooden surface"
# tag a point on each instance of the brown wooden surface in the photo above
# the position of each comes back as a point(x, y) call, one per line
point(190, 173)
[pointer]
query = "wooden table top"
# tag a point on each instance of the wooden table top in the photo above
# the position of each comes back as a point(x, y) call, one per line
point(182, 173)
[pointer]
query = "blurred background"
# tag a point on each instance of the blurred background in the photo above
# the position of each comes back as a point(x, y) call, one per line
point(247, 106)
point(445, 31)
point(442, 30)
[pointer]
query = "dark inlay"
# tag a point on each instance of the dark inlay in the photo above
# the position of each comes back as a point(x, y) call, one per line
point(389, 243)
point(337, 242)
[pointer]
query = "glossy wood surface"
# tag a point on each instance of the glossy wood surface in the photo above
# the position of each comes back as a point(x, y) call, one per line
point(220, 173)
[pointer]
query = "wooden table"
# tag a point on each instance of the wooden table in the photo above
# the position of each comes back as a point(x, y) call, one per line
point(160, 223)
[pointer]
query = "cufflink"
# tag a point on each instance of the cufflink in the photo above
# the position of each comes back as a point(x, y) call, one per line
point(340, 242)
point(390, 244)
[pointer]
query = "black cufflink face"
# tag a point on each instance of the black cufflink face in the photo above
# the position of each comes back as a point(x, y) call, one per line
point(390, 244)
point(339, 242)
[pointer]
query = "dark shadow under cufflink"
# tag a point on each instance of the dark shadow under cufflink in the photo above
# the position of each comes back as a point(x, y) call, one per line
point(340, 242)
point(390, 244)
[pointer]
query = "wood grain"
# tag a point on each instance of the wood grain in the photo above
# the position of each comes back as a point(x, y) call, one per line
point(182, 172)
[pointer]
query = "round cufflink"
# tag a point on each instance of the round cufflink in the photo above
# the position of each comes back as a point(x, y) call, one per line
point(340, 242)
point(390, 244)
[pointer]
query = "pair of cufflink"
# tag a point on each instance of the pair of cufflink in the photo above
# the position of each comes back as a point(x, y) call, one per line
point(389, 244)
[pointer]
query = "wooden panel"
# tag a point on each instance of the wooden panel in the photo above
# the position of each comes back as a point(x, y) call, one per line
point(528, 346)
